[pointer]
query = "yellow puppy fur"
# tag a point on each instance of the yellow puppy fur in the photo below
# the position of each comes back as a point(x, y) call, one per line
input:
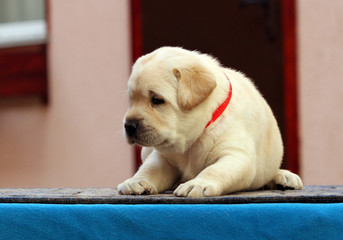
point(173, 93)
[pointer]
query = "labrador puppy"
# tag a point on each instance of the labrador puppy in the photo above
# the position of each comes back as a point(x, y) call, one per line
point(201, 125)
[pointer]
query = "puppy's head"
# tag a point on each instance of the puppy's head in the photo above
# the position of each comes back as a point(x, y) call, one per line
point(164, 89)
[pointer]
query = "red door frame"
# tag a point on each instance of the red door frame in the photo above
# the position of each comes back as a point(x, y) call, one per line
point(137, 51)
point(290, 83)
point(289, 68)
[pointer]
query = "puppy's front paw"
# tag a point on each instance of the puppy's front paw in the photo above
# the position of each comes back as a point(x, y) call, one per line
point(137, 187)
point(284, 180)
point(196, 188)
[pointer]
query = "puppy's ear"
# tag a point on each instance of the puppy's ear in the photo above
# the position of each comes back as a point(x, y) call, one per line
point(195, 84)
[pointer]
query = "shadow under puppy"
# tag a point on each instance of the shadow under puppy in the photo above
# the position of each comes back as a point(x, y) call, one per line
point(200, 124)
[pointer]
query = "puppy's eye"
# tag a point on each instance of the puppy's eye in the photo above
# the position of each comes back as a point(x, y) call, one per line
point(157, 101)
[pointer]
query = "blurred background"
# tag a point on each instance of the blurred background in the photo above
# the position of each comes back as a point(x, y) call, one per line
point(64, 67)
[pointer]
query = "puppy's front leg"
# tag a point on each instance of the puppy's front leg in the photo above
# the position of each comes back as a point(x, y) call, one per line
point(154, 176)
point(228, 174)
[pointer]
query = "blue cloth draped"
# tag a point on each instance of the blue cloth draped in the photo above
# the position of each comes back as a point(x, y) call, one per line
point(198, 221)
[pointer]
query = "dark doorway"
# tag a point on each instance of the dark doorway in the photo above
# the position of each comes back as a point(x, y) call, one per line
point(246, 35)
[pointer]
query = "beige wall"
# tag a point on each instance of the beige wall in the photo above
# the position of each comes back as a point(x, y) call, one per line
point(320, 46)
point(77, 140)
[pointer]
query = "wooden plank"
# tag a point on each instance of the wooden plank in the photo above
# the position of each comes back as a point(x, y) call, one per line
point(310, 194)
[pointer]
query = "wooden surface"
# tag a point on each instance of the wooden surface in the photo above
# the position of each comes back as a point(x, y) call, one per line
point(310, 194)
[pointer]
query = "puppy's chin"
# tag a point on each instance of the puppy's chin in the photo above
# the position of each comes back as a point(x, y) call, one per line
point(147, 142)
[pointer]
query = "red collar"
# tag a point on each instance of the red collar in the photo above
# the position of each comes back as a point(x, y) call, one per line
point(222, 107)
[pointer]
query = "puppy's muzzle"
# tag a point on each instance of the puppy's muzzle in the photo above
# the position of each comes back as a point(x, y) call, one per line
point(141, 134)
point(131, 127)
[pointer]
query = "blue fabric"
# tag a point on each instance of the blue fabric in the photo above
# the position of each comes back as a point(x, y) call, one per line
point(245, 221)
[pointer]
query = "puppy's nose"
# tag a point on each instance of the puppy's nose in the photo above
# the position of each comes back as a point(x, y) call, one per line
point(131, 127)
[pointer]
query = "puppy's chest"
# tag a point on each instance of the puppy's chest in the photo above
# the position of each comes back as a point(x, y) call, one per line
point(191, 164)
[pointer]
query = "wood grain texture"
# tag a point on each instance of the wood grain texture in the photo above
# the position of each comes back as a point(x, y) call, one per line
point(310, 194)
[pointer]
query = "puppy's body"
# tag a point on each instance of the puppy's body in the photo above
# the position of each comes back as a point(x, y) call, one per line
point(173, 94)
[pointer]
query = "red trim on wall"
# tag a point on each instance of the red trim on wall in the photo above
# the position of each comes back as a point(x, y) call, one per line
point(137, 51)
point(23, 71)
point(290, 84)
